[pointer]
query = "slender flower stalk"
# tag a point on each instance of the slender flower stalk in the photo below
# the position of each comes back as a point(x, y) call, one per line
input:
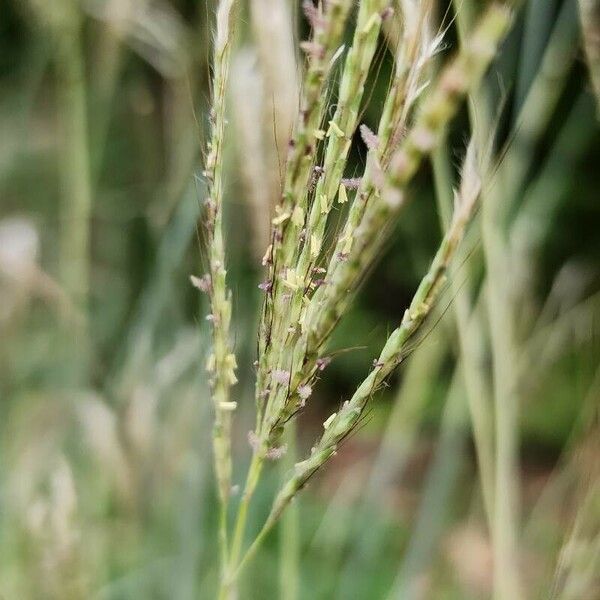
point(221, 363)
point(470, 333)
point(75, 175)
point(75, 169)
point(289, 541)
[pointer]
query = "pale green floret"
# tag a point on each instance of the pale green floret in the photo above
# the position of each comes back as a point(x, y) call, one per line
point(335, 129)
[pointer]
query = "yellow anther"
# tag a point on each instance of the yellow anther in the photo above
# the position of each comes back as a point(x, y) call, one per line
point(228, 406)
point(335, 128)
point(281, 216)
point(374, 20)
point(347, 244)
point(291, 279)
point(315, 246)
point(323, 203)
point(210, 363)
point(329, 421)
point(298, 216)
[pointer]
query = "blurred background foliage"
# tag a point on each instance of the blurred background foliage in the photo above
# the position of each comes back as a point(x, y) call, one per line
point(106, 482)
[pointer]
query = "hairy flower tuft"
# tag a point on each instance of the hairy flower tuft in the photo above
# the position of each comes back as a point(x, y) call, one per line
point(311, 13)
point(323, 362)
point(202, 283)
point(304, 391)
point(369, 138)
point(276, 453)
point(352, 183)
point(280, 376)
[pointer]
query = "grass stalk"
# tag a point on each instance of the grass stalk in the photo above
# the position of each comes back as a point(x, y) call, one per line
point(221, 363)
point(535, 113)
point(289, 536)
point(538, 21)
point(75, 174)
point(441, 481)
point(506, 401)
point(471, 349)
point(390, 465)
point(277, 348)
point(252, 479)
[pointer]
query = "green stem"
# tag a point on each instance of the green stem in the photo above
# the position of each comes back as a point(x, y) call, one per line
point(76, 205)
point(289, 541)
point(223, 539)
point(251, 552)
point(471, 347)
point(252, 479)
point(222, 362)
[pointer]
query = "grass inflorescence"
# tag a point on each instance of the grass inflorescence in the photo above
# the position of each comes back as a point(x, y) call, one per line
point(310, 283)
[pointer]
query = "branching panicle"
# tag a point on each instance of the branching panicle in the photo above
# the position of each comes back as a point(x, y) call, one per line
point(310, 281)
point(341, 424)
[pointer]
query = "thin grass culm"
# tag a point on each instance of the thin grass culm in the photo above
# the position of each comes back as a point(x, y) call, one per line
point(310, 283)
point(221, 362)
